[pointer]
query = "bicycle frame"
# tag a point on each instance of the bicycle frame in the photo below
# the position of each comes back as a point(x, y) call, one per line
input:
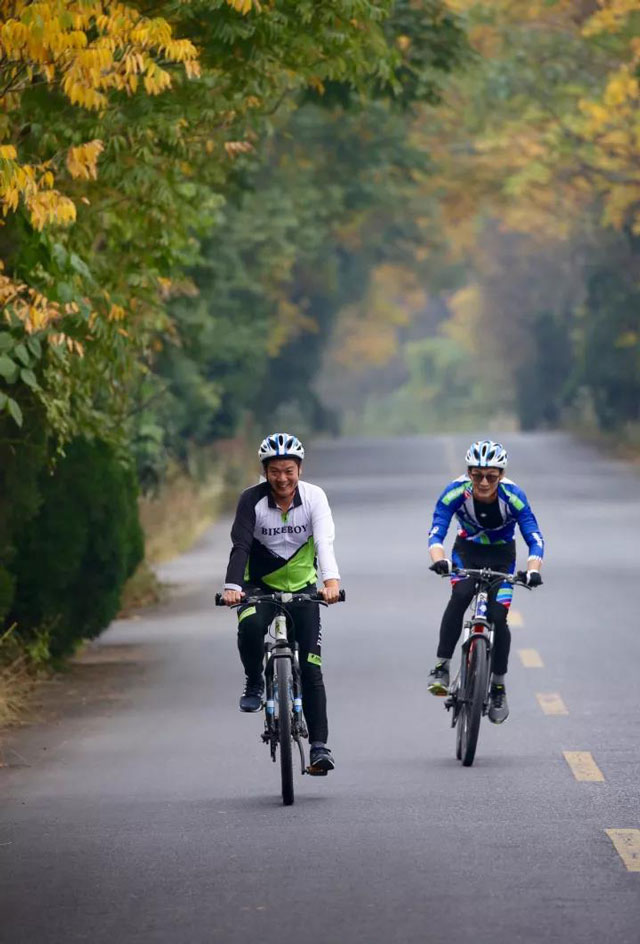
point(281, 649)
point(284, 719)
point(469, 692)
point(478, 626)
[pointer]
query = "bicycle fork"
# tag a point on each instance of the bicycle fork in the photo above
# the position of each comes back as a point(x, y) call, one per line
point(280, 649)
point(476, 627)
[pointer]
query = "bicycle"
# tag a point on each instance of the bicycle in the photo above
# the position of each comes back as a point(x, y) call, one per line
point(284, 720)
point(469, 691)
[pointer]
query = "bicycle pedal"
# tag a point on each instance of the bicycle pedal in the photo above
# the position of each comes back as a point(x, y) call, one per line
point(316, 772)
point(449, 703)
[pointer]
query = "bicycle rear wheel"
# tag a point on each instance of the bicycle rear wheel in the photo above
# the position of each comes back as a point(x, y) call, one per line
point(474, 694)
point(283, 672)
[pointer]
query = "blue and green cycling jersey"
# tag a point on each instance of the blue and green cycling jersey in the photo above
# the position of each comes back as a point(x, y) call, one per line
point(512, 508)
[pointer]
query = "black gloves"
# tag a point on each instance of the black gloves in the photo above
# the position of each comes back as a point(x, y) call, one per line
point(441, 567)
point(532, 578)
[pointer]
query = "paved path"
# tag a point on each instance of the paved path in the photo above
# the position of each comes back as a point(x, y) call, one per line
point(158, 821)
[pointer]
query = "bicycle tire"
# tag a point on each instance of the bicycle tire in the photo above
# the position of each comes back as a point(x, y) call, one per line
point(475, 692)
point(459, 728)
point(283, 670)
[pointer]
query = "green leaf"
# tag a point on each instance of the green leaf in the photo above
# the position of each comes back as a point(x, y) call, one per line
point(8, 368)
point(65, 292)
point(14, 411)
point(35, 347)
point(22, 354)
point(60, 255)
point(29, 378)
point(78, 265)
point(3, 401)
point(152, 431)
point(6, 341)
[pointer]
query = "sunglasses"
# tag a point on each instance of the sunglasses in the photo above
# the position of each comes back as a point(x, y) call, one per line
point(478, 475)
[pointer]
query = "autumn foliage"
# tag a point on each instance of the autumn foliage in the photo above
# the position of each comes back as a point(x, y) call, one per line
point(170, 227)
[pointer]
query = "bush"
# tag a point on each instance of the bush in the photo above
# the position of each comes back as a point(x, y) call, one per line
point(73, 558)
point(23, 454)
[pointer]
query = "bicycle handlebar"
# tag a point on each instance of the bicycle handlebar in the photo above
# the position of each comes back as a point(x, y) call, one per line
point(489, 575)
point(281, 598)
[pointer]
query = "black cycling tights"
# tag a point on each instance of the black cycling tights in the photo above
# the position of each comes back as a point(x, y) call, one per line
point(251, 632)
point(451, 626)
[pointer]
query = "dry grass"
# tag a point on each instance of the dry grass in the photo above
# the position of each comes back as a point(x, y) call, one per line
point(623, 443)
point(179, 514)
point(189, 502)
point(183, 509)
point(17, 679)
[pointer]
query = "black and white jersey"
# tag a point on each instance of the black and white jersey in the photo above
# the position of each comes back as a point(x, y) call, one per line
point(280, 550)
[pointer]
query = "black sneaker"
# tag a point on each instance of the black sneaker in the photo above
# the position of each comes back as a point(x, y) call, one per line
point(439, 679)
point(320, 761)
point(498, 705)
point(251, 698)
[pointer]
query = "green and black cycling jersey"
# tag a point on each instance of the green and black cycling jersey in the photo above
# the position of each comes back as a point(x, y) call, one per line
point(280, 550)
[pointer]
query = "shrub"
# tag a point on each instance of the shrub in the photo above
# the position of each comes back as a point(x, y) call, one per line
point(23, 454)
point(73, 558)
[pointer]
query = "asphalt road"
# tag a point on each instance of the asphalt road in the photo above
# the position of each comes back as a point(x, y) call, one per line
point(158, 820)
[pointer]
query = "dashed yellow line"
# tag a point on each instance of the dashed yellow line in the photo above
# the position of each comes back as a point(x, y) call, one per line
point(627, 845)
point(530, 658)
point(583, 766)
point(551, 703)
point(515, 619)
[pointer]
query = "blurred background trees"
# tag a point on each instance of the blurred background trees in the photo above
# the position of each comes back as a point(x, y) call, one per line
point(355, 215)
point(533, 190)
point(191, 192)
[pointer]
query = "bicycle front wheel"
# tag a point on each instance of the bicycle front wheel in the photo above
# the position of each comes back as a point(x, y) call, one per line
point(474, 694)
point(283, 670)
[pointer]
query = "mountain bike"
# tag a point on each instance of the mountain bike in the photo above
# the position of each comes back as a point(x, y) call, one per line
point(468, 698)
point(284, 721)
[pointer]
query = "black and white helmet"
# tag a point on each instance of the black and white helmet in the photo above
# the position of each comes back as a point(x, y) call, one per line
point(280, 446)
point(486, 453)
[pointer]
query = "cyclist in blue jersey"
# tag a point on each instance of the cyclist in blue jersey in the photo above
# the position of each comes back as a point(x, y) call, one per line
point(488, 506)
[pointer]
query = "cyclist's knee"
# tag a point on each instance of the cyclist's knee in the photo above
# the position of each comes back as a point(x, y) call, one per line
point(462, 593)
point(311, 671)
point(498, 616)
point(251, 626)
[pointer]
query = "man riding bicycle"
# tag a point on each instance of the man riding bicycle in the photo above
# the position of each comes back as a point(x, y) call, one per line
point(488, 506)
point(283, 527)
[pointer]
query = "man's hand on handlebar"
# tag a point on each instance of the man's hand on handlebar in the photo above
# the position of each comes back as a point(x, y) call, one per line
point(531, 578)
point(232, 597)
point(442, 567)
point(331, 591)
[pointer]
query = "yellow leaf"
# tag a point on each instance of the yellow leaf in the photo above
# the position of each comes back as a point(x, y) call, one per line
point(82, 161)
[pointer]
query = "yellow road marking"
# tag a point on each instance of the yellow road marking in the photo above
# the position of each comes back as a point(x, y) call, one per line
point(551, 703)
point(583, 766)
point(530, 658)
point(627, 844)
point(515, 619)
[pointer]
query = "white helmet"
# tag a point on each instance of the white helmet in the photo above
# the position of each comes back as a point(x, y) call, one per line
point(486, 453)
point(280, 446)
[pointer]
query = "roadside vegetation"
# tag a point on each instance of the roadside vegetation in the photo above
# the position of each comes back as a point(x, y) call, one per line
point(523, 301)
point(361, 215)
point(191, 191)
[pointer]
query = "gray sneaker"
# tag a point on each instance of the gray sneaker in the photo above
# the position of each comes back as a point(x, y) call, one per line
point(498, 704)
point(439, 680)
point(320, 761)
point(251, 698)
